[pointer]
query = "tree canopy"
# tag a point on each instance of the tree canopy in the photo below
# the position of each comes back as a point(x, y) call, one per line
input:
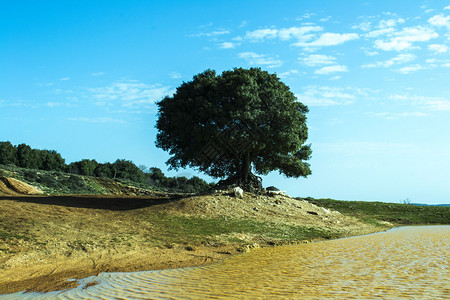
point(233, 124)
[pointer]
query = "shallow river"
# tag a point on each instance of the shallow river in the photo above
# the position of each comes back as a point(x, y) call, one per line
point(402, 263)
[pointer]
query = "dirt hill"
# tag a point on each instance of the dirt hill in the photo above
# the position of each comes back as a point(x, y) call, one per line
point(12, 186)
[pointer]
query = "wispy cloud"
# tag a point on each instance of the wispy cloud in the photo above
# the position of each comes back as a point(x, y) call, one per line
point(53, 104)
point(399, 59)
point(300, 33)
point(411, 69)
point(261, 34)
point(440, 21)
point(313, 60)
point(213, 33)
point(329, 39)
point(326, 96)
point(393, 115)
point(253, 58)
point(404, 39)
point(287, 73)
point(386, 23)
point(98, 120)
point(175, 75)
point(438, 48)
point(98, 73)
point(331, 69)
point(130, 93)
point(64, 79)
point(430, 103)
point(379, 32)
point(228, 45)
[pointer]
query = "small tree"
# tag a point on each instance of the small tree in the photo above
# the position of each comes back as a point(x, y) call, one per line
point(7, 153)
point(234, 124)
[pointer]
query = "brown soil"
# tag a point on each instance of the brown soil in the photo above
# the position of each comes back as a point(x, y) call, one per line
point(56, 238)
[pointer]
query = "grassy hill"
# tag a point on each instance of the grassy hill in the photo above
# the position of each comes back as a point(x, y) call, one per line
point(85, 225)
point(395, 213)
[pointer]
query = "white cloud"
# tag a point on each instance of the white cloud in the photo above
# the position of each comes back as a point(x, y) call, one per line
point(440, 105)
point(305, 16)
point(52, 104)
point(379, 32)
point(399, 59)
point(64, 79)
point(98, 120)
point(213, 33)
point(440, 21)
point(404, 39)
point(317, 59)
point(390, 23)
point(284, 34)
point(175, 75)
point(287, 73)
point(326, 96)
point(331, 69)
point(262, 34)
point(447, 7)
point(364, 26)
point(243, 24)
point(430, 103)
point(438, 48)
point(130, 93)
point(253, 58)
point(228, 45)
point(299, 33)
point(395, 44)
point(411, 69)
point(392, 116)
point(329, 39)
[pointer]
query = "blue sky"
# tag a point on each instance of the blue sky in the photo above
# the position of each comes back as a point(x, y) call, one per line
point(82, 78)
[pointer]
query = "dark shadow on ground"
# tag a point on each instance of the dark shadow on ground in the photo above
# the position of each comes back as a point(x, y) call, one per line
point(109, 202)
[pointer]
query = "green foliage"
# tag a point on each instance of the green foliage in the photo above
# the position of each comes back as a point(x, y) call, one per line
point(8, 153)
point(26, 157)
point(124, 170)
point(398, 214)
point(195, 229)
point(230, 123)
point(83, 167)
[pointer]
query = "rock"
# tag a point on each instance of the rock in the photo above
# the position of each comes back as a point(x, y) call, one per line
point(248, 248)
point(238, 192)
point(276, 192)
point(326, 210)
point(272, 188)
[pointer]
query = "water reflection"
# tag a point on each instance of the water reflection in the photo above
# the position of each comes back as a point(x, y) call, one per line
point(404, 263)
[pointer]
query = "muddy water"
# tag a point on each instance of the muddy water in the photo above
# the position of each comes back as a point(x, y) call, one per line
point(403, 263)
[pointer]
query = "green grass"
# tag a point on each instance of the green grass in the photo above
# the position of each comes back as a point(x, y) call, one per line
point(398, 214)
point(180, 229)
point(8, 236)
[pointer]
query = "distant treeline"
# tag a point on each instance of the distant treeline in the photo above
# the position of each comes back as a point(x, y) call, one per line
point(24, 156)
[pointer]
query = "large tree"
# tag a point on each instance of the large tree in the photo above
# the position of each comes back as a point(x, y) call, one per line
point(234, 124)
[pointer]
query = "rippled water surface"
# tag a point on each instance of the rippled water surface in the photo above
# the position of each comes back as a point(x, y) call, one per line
point(403, 263)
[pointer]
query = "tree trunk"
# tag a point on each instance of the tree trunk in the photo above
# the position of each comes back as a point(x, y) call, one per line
point(244, 178)
point(246, 167)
